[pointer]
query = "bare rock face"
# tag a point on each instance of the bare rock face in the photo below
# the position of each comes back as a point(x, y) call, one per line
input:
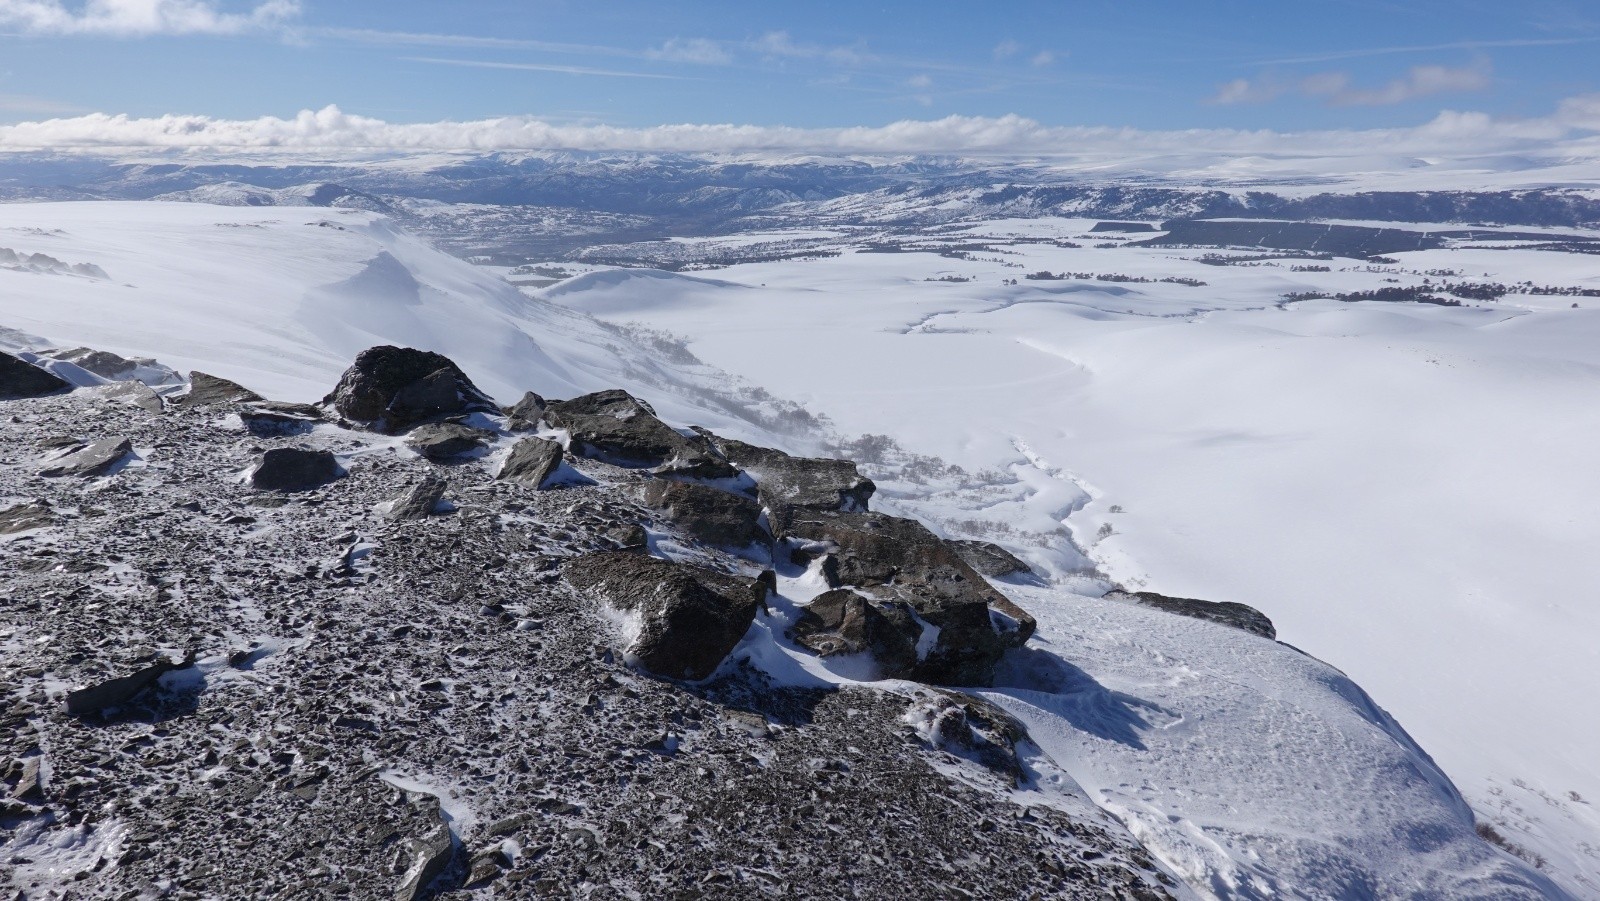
point(990, 559)
point(525, 414)
point(119, 691)
point(446, 440)
point(843, 621)
point(788, 481)
point(211, 391)
point(899, 561)
point(392, 388)
point(420, 501)
point(294, 469)
point(19, 378)
point(532, 461)
point(1226, 613)
point(706, 514)
point(24, 516)
point(618, 428)
point(96, 459)
point(687, 618)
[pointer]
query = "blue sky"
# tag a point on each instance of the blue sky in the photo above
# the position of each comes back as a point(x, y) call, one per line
point(1148, 64)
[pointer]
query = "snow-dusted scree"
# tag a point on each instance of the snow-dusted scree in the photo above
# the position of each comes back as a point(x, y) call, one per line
point(389, 646)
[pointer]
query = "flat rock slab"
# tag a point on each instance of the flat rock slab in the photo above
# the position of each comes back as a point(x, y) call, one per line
point(294, 469)
point(25, 516)
point(19, 379)
point(96, 459)
point(137, 394)
point(788, 481)
point(421, 500)
point(990, 559)
point(532, 461)
point(618, 428)
point(446, 440)
point(1226, 613)
point(119, 691)
point(207, 390)
point(689, 618)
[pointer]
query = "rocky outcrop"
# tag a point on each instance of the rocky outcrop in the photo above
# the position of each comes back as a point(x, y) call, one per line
point(618, 428)
point(137, 394)
point(525, 414)
point(532, 461)
point(898, 560)
point(990, 559)
point(210, 391)
point(19, 378)
point(421, 500)
point(95, 460)
point(119, 691)
point(430, 856)
point(1226, 613)
point(267, 419)
point(25, 516)
point(843, 621)
point(708, 515)
point(294, 469)
point(393, 388)
point(788, 481)
point(446, 440)
point(683, 620)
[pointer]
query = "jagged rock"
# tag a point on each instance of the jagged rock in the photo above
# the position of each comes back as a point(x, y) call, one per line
point(688, 618)
point(30, 785)
point(444, 440)
point(268, 419)
point(842, 621)
point(990, 559)
point(532, 460)
point(19, 379)
point(105, 364)
point(210, 391)
point(96, 459)
point(421, 500)
point(392, 388)
point(899, 560)
point(430, 855)
point(526, 413)
point(787, 481)
point(707, 514)
point(631, 536)
point(1227, 613)
point(618, 428)
point(294, 469)
point(487, 864)
point(25, 516)
point(119, 691)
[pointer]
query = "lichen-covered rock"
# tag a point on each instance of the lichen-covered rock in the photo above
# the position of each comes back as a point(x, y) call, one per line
point(618, 428)
point(683, 620)
point(532, 461)
point(446, 440)
point(707, 514)
point(94, 460)
point(899, 560)
point(788, 481)
point(294, 469)
point(990, 559)
point(392, 388)
point(1227, 613)
point(19, 378)
point(210, 391)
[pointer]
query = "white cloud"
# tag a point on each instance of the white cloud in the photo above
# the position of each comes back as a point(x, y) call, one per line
point(1041, 59)
point(692, 50)
point(919, 81)
point(779, 45)
point(1007, 49)
point(1336, 88)
point(539, 67)
point(141, 18)
point(331, 130)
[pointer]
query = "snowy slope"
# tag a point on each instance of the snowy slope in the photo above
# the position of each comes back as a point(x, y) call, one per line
point(1407, 490)
point(1243, 765)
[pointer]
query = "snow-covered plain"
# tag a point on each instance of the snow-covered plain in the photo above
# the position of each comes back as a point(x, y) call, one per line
point(1401, 488)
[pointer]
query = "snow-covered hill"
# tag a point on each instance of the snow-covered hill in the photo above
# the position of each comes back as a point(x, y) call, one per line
point(1248, 769)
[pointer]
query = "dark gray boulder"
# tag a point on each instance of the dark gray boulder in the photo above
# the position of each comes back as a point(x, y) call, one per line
point(430, 855)
point(421, 500)
point(687, 618)
point(618, 428)
point(20, 379)
point(526, 413)
point(294, 469)
point(119, 691)
point(96, 459)
point(24, 516)
point(210, 391)
point(899, 561)
point(270, 419)
point(788, 481)
point(1226, 613)
point(990, 559)
point(843, 621)
point(532, 461)
point(392, 388)
point(444, 440)
point(136, 394)
point(706, 514)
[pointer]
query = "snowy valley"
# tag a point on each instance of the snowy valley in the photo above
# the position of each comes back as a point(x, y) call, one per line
point(1373, 428)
